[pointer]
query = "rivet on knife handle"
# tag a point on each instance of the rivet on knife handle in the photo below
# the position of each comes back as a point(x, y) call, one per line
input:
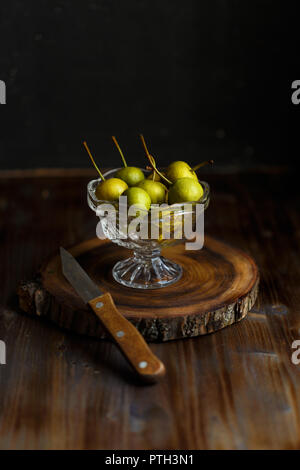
point(129, 340)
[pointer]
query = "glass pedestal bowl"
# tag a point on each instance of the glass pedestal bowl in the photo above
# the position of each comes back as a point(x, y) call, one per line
point(146, 269)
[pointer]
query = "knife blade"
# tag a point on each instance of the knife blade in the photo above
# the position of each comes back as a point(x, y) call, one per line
point(126, 336)
point(78, 278)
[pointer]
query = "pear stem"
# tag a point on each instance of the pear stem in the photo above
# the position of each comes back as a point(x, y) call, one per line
point(93, 161)
point(203, 164)
point(152, 161)
point(120, 151)
point(153, 172)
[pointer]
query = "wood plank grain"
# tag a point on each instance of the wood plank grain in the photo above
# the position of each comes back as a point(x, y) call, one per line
point(236, 389)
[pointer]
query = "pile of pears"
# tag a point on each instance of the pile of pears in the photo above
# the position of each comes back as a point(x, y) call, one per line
point(177, 184)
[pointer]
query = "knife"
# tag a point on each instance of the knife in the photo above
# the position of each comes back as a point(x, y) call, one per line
point(126, 336)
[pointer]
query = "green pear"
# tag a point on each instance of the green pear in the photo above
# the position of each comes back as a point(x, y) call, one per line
point(155, 189)
point(138, 197)
point(131, 175)
point(185, 190)
point(178, 170)
point(111, 189)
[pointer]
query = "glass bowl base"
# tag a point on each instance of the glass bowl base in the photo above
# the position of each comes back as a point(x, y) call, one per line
point(139, 272)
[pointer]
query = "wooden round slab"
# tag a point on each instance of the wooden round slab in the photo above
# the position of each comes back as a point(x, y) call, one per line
point(218, 287)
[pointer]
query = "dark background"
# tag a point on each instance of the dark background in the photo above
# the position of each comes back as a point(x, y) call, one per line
point(200, 79)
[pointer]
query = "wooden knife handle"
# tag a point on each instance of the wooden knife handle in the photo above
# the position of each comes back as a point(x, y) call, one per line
point(129, 340)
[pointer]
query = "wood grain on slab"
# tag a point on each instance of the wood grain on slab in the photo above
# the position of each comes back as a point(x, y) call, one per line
point(235, 389)
point(218, 287)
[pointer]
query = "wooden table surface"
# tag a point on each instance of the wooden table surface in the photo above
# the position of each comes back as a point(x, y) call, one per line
point(234, 389)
